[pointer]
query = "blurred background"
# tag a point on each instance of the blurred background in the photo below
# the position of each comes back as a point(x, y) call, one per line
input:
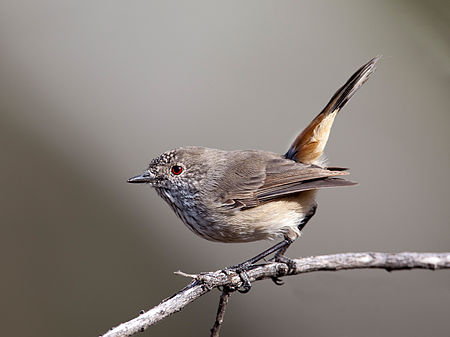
point(91, 91)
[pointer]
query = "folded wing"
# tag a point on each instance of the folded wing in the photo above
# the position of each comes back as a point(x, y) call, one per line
point(257, 180)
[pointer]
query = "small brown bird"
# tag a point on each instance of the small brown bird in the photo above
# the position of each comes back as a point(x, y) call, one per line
point(243, 196)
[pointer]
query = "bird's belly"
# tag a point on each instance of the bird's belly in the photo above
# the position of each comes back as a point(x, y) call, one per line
point(274, 219)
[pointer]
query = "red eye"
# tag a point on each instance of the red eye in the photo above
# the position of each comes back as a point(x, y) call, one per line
point(177, 169)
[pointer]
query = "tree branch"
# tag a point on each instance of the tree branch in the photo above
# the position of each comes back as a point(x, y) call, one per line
point(205, 282)
point(223, 302)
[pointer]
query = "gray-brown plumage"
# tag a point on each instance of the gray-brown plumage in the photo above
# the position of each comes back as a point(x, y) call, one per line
point(242, 196)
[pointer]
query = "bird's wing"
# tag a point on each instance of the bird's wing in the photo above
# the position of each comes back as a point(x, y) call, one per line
point(261, 177)
point(288, 177)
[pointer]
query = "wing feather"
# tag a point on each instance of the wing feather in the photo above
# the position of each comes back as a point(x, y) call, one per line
point(255, 177)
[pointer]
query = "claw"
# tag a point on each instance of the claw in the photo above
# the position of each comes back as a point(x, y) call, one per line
point(289, 262)
point(277, 281)
point(246, 289)
point(241, 269)
point(246, 285)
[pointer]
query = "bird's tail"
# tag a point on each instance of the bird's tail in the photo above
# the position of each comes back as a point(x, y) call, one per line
point(309, 145)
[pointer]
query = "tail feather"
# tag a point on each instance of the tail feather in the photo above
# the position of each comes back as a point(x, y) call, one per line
point(309, 145)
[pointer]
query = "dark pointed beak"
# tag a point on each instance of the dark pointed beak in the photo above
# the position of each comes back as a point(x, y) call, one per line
point(145, 177)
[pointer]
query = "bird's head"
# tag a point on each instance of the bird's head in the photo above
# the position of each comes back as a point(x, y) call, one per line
point(181, 169)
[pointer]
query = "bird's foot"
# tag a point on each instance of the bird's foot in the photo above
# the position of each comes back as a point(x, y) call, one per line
point(279, 249)
point(287, 261)
point(241, 269)
point(277, 281)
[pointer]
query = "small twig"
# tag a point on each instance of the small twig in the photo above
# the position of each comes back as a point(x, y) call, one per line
point(205, 282)
point(223, 302)
point(181, 273)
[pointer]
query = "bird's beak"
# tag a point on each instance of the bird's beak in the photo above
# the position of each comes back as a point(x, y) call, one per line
point(145, 177)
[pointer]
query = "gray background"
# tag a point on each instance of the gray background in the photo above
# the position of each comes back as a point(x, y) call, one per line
point(91, 91)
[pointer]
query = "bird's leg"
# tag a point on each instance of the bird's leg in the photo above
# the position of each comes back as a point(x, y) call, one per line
point(307, 217)
point(279, 255)
point(246, 265)
point(241, 268)
point(279, 249)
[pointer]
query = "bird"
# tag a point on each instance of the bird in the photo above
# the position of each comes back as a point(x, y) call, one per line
point(251, 195)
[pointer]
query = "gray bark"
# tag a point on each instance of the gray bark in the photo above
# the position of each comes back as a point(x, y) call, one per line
point(205, 282)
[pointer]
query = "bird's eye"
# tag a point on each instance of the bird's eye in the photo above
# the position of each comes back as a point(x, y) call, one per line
point(176, 169)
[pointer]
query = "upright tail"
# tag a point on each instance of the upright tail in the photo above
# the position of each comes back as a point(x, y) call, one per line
point(309, 145)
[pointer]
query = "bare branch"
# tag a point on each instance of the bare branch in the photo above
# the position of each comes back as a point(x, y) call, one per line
point(223, 302)
point(205, 282)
